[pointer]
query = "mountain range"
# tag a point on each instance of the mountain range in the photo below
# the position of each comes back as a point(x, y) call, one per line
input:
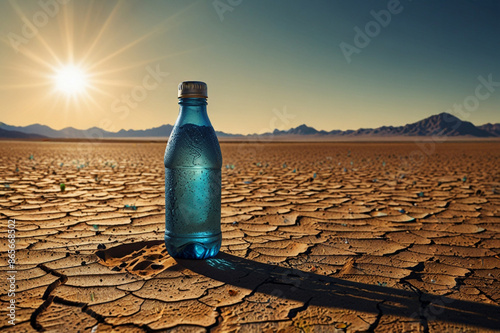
point(443, 124)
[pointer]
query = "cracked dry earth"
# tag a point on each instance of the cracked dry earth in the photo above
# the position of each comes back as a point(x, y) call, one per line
point(317, 237)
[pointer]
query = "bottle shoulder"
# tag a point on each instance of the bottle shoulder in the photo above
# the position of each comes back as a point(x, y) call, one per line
point(192, 145)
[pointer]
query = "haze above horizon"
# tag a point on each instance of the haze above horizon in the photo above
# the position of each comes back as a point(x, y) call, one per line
point(330, 65)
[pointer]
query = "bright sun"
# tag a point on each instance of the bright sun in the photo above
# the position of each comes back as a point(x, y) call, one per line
point(70, 80)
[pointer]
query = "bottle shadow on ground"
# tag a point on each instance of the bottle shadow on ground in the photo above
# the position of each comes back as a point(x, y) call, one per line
point(311, 289)
point(325, 291)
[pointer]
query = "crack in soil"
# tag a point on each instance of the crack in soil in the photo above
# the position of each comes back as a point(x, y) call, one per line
point(373, 326)
point(295, 311)
point(422, 306)
point(49, 299)
point(62, 279)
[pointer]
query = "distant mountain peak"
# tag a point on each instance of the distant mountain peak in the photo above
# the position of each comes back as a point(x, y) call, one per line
point(444, 118)
point(302, 130)
point(493, 129)
point(443, 124)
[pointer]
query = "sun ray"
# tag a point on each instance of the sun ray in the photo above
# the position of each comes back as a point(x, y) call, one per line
point(157, 29)
point(33, 105)
point(67, 102)
point(54, 106)
point(114, 83)
point(87, 104)
point(25, 86)
point(142, 63)
point(123, 49)
point(87, 19)
point(125, 68)
point(49, 50)
point(38, 36)
point(91, 99)
point(32, 72)
point(31, 56)
point(68, 28)
point(101, 91)
point(101, 32)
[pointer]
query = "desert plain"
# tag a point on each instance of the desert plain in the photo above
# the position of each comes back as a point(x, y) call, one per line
point(317, 237)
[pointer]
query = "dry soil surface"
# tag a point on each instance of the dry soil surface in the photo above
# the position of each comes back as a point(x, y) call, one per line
point(317, 237)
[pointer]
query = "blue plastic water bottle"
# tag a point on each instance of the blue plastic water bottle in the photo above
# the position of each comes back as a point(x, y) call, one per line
point(193, 162)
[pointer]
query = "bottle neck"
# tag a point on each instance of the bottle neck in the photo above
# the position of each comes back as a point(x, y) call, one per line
point(193, 111)
point(193, 102)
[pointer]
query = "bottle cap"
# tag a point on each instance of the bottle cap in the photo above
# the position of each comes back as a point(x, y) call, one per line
point(192, 89)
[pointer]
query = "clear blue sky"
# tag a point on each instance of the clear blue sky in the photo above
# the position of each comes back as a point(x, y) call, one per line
point(262, 60)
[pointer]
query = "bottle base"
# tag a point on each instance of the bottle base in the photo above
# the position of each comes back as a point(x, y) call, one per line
point(193, 247)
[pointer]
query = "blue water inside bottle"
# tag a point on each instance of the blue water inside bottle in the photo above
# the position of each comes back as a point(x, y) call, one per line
point(193, 162)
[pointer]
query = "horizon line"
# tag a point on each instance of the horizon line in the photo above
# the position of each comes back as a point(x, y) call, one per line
point(249, 134)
